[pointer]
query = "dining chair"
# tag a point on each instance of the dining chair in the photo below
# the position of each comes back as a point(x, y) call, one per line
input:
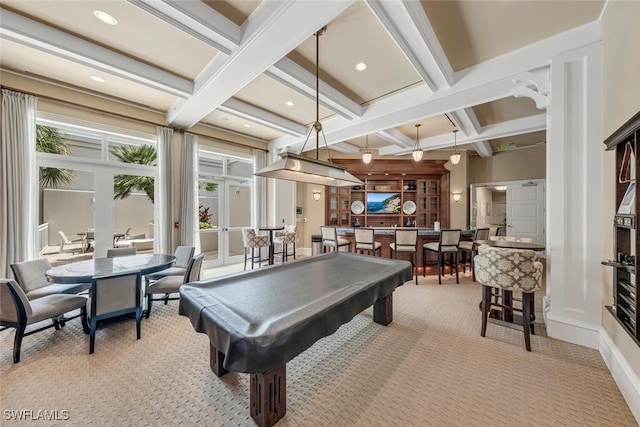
point(116, 252)
point(64, 240)
point(183, 255)
point(31, 277)
point(18, 312)
point(467, 246)
point(406, 241)
point(448, 244)
point(112, 296)
point(171, 284)
point(252, 241)
point(509, 270)
point(285, 238)
point(365, 241)
point(330, 239)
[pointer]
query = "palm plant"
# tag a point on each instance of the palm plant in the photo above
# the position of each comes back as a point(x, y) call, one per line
point(123, 185)
point(50, 140)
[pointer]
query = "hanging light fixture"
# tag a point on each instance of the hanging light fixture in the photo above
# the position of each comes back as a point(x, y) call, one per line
point(455, 157)
point(417, 150)
point(294, 167)
point(366, 155)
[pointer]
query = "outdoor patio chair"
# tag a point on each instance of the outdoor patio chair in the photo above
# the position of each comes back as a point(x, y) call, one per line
point(64, 240)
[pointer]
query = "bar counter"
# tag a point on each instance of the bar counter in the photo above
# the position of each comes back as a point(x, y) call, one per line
point(386, 235)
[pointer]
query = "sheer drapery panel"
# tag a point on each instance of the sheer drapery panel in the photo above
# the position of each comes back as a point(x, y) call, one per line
point(18, 185)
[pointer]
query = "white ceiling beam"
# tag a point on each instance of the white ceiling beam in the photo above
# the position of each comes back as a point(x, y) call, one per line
point(466, 120)
point(408, 25)
point(302, 81)
point(274, 29)
point(483, 148)
point(36, 35)
point(345, 147)
point(202, 22)
point(499, 130)
point(196, 19)
point(265, 118)
point(396, 138)
point(485, 82)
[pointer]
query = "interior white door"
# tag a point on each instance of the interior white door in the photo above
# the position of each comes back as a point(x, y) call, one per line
point(525, 211)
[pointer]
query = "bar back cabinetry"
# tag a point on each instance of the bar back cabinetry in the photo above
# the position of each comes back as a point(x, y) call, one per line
point(625, 141)
point(411, 199)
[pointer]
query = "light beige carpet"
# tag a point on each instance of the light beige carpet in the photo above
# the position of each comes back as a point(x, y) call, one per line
point(429, 367)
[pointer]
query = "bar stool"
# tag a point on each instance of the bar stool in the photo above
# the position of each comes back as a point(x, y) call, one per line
point(286, 238)
point(366, 242)
point(406, 241)
point(253, 241)
point(509, 270)
point(467, 246)
point(330, 239)
point(448, 244)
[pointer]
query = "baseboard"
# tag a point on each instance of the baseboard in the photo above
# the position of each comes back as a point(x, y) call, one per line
point(625, 377)
point(303, 251)
point(572, 331)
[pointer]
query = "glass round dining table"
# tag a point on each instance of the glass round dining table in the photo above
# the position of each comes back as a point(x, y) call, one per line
point(83, 271)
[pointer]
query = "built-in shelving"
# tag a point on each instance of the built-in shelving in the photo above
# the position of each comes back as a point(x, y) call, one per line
point(625, 141)
point(421, 202)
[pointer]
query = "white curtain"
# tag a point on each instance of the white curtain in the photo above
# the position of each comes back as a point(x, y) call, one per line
point(259, 211)
point(164, 197)
point(18, 185)
point(189, 235)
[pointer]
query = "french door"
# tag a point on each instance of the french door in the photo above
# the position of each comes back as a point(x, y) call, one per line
point(225, 208)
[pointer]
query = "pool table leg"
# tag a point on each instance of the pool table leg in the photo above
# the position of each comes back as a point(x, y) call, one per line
point(268, 396)
point(383, 310)
point(216, 359)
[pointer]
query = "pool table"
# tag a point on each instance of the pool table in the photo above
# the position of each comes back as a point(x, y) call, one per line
point(257, 321)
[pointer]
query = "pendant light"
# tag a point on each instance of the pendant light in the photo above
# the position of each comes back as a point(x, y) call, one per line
point(366, 155)
point(455, 157)
point(417, 150)
point(294, 167)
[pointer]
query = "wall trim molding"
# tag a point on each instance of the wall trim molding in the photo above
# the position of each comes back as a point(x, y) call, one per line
point(626, 379)
point(573, 331)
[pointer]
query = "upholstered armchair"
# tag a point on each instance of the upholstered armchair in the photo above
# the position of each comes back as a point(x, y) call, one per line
point(113, 296)
point(183, 255)
point(508, 270)
point(31, 276)
point(16, 311)
point(116, 252)
point(171, 284)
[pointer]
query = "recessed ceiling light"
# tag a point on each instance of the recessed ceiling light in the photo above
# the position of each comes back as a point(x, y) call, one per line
point(246, 125)
point(105, 17)
point(97, 79)
point(361, 66)
point(289, 104)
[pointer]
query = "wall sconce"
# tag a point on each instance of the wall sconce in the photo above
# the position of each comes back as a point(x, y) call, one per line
point(456, 197)
point(316, 195)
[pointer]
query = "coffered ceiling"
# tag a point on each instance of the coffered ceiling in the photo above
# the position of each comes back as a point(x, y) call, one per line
point(249, 66)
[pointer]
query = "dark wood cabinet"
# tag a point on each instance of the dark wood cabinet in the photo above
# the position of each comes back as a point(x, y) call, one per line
point(626, 308)
point(415, 195)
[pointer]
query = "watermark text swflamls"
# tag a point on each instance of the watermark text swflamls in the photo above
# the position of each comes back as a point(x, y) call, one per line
point(36, 415)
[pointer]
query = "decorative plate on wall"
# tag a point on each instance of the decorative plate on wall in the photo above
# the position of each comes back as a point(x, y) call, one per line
point(409, 207)
point(357, 207)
